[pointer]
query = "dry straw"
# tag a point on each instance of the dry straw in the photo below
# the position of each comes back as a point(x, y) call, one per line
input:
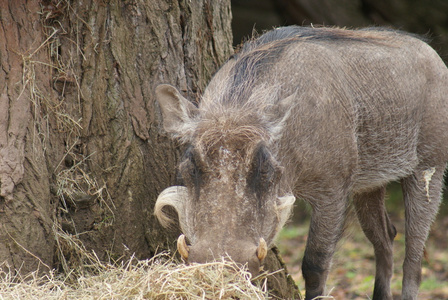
point(157, 278)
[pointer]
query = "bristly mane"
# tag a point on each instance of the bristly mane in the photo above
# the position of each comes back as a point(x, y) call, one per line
point(236, 98)
point(257, 55)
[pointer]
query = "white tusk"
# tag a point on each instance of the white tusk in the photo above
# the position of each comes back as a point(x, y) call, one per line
point(262, 249)
point(173, 196)
point(182, 247)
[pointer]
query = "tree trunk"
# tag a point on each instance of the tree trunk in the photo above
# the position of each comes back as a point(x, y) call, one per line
point(82, 153)
point(27, 207)
point(81, 145)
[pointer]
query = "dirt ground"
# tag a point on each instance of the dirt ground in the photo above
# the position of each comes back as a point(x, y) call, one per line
point(353, 271)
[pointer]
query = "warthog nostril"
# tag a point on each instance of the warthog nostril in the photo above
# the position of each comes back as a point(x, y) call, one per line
point(262, 250)
point(182, 247)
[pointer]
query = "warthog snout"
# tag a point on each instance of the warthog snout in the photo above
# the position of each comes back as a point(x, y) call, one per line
point(242, 253)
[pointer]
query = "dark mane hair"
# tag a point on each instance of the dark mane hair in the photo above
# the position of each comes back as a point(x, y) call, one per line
point(257, 55)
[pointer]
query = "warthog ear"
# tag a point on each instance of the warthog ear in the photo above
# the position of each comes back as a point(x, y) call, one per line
point(177, 112)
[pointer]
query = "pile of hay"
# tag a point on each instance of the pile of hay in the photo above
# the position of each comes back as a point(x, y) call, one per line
point(157, 278)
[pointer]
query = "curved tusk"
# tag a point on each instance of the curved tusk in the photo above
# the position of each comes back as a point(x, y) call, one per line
point(182, 247)
point(262, 249)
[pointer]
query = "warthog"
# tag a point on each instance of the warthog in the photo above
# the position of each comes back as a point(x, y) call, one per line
point(323, 114)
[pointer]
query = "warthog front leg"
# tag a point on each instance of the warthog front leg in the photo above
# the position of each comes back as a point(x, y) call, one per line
point(377, 227)
point(326, 228)
point(422, 195)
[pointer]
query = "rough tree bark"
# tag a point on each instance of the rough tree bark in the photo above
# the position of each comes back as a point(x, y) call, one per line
point(27, 208)
point(82, 151)
point(81, 143)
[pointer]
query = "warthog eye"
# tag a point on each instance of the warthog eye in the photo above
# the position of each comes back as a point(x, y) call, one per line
point(190, 170)
point(263, 173)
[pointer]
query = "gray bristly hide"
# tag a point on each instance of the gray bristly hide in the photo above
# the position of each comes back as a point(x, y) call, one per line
point(322, 114)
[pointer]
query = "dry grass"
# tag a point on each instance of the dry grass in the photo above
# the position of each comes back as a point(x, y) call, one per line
point(157, 278)
point(84, 276)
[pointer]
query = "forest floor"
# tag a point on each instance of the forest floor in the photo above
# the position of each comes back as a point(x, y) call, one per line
point(353, 271)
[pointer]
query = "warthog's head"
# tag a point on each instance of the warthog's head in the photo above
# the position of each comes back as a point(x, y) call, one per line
point(231, 204)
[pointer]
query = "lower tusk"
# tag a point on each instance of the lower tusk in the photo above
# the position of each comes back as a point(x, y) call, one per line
point(182, 247)
point(262, 249)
